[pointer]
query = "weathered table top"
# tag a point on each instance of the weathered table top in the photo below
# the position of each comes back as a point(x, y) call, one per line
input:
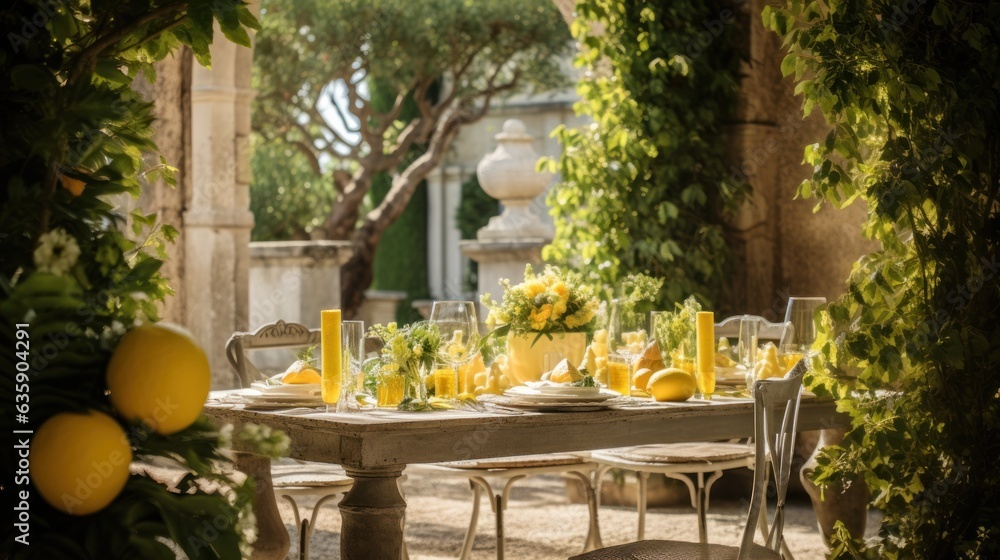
point(379, 438)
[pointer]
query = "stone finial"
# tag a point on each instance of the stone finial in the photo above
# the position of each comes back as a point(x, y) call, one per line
point(508, 174)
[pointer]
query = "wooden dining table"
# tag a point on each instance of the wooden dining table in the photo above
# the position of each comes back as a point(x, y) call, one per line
point(375, 446)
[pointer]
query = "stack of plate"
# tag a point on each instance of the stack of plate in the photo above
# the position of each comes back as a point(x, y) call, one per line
point(546, 396)
point(288, 395)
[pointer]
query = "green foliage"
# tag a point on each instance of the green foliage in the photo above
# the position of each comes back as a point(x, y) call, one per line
point(287, 198)
point(401, 258)
point(75, 133)
point(474, 212)
point(643, 188)
point(337, 78)
point(910, 352)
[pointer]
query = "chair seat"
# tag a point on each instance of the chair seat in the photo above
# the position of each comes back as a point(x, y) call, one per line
point(309, 475)
point(694, 452)
point(520, 462)
point(675, 550)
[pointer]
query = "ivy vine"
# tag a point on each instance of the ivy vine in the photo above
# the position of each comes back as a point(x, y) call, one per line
point(644, 187)
point(912, 350)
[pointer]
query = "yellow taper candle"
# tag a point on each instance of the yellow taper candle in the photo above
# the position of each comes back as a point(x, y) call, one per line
point(705, 372)
point(330, 345)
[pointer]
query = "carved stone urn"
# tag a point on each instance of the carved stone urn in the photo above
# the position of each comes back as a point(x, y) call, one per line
point(508, 174)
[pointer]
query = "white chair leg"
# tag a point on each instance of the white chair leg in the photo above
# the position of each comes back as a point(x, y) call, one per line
point(643, 479)
point(399, 485)
point(593, 540)
point(702, 522)
point(470, 533)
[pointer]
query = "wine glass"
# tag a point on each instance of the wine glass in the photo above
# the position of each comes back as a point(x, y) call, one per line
point(747, 347)
point(800, 331)
point(626, 337)
point(352, 336)
point(459, 327)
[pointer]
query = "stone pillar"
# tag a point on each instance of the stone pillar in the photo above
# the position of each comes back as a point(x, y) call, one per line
point(435, 233)
point(380, 306)
point(453, 269)
point(217, 220)
point(502, 259)
point(515, 237)
point(294, 280)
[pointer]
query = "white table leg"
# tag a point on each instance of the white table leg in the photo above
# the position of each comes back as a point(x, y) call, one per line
point(372, 516)
point(272, 538)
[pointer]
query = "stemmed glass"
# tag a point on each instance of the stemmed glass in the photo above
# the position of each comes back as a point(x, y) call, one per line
point(626, 338)
point(800, 331)
point(747, 347)
point(459, 327)
point(352, 336)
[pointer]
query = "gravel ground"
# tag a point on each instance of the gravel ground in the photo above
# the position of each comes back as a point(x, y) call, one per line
point(542, 524)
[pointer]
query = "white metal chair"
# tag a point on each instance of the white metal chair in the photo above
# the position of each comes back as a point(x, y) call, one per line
point(290, 478)
point(510, 470)
point(699, 464)
point(776, 408)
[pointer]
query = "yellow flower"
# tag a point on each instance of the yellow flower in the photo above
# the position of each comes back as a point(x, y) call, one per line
point(534, 288)
point(558, 308)
point(561, 290)
point(539, 316)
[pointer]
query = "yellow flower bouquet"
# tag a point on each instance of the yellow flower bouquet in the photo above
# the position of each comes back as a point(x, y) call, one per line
point(551, 302)
point(548, 313)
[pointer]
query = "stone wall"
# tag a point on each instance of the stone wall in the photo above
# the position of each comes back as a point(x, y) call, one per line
point(782, 248)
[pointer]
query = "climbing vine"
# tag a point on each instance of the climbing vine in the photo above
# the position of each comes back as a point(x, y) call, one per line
point(912, 350)
point(644, 187)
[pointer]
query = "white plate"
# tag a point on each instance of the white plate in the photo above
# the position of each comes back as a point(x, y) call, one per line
point(551, 406)
point(528, 396)
point(298, 390)
point(562, 389)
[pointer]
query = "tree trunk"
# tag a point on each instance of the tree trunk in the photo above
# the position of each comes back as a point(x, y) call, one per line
point(356, 276)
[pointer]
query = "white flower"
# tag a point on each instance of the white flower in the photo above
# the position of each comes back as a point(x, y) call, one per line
point(57, 252)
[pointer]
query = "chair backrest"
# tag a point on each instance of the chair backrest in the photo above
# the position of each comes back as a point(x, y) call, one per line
point(776, 413)
point(269, 336)
point(730, 328)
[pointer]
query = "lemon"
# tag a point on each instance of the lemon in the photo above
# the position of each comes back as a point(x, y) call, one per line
point(160, 376)
point(79, 461)
point(671, 384)
point(640, 379)
point(301, 373)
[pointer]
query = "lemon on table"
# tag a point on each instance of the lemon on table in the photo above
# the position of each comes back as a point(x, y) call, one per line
point(159, 375)
point(671, 384)
point(641, 377)
point(79, 461)
point(301, 373)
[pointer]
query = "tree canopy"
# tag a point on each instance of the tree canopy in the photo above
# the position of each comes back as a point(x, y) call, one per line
point(314, 61)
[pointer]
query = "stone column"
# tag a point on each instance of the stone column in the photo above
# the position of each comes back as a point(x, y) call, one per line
point(515, 237)
point(217, 220)
point(435, 233)
point(453, 269)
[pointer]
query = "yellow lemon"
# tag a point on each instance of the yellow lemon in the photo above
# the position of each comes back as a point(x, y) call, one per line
point(159, 375)
point(671, 384)
point(640, 379)
point(79, 462)
point(301, 373)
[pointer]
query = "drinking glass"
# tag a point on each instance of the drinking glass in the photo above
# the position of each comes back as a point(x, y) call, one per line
point(626, 332)
point(746, 348)
point(352, 335)
point(619, 375)
point(800, 331)
point(459, 327)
